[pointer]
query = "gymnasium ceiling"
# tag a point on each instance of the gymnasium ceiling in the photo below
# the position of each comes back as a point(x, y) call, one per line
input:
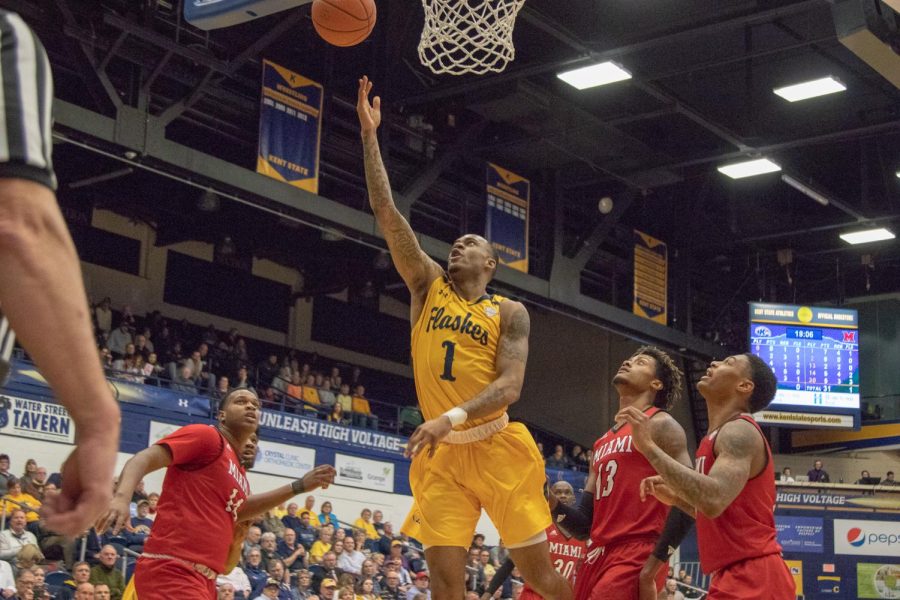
point(701, 95)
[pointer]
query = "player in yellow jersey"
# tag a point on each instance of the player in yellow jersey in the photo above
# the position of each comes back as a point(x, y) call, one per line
point(469, 350)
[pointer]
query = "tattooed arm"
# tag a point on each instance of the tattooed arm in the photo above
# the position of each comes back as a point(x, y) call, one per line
point(414, 266)
point(738, 446)
point(512, 354)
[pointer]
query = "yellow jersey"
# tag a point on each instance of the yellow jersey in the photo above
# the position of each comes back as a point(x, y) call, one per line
point(454, 350)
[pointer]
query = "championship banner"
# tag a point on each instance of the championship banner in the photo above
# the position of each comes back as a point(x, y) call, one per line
point(506, 226)
point(290, 127)
point(651, 266)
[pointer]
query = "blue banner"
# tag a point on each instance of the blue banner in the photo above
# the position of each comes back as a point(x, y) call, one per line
point(800, 534)
point(327, 431)
point(290, 126)
point(506, 226)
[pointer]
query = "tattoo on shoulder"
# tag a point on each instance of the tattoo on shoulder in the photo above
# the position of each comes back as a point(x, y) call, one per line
point(741, 439)
point(514, 341)
point(519, 325)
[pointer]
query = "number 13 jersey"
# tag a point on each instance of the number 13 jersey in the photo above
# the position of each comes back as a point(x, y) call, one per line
point(619, 514)
point(454, 349)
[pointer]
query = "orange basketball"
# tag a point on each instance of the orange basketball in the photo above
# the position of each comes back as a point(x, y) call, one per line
point(343, 22)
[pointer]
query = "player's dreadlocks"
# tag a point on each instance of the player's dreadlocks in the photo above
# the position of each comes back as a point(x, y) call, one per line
point(668, 373)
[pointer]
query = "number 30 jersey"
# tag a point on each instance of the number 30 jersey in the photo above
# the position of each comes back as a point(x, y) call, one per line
point(619, 514)
point(454, 349)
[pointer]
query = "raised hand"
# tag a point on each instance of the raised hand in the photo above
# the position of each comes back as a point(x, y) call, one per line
point(369, 114)
point(322, 476)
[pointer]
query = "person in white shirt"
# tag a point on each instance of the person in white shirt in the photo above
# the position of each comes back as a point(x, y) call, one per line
point(786, 475)
point(15, 538)
point(7, 581)
point(238, 580)
point(351, 559)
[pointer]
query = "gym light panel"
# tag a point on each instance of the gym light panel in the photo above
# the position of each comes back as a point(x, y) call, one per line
point(594, 75)
point(749, 168)
point(811, 89)
point(867, 235)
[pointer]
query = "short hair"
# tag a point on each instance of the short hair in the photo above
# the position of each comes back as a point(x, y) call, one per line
point(230, 395)
point(668, 373)
point(764, 383)
point(81, 562)
point(268, 536)
point(889, 473)
point(4, 456)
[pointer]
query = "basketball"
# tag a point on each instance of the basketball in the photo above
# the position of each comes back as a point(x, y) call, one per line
point(343, 22)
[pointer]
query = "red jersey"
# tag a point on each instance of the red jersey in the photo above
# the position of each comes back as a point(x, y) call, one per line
point(566, 554)
point(746, 529)
point(204, 487)
point(619, 514)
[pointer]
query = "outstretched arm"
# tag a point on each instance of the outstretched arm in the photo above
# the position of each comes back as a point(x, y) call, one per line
point(512, 354)
point(414, 266)
point(258, 504)
point(146, 461)
point(736, 446)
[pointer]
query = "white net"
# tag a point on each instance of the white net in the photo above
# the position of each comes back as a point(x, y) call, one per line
point(468, 36)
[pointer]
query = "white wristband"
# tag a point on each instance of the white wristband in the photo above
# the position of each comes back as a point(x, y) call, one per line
point(456, 415)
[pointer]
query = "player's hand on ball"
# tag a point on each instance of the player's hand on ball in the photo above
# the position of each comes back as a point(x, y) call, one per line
point(656, 486)
point(369, 114)
point(640, 427)
point(428, 435)
point(320, 477)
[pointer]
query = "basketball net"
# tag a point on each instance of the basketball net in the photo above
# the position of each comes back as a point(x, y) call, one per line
point(468, 36)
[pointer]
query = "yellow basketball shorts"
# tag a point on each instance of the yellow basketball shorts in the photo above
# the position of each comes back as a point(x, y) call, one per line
point(504, 474)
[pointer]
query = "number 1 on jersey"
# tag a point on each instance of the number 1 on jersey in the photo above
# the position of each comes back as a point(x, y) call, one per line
point(450, 347)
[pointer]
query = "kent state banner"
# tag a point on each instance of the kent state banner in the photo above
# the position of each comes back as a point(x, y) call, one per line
point(290, 127)
point(506, 227)
point(651, 260)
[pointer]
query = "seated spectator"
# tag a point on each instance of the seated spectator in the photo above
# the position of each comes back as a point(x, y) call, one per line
point(103, 315)
point(489, 569)
point(270, 590)
point(303, 589)
point(251, 542)
point(15, 501)
point(365, 589)
point(862, 477)
point(391, 587)
point(327, 569)
point(326, 396)
point(322, 545)
point(240, 584)
point(243, 380)
point(786, 475)
point(272, 524)
point(183, 381)
point(580, 458)
point(25, 580)
point(152, 371)
point(420, 583)
point(278, 573)
point(140, 526)
point(337, 415)
point(387, 537)
point(7, 580)
point(889, 479)
point(34, 484)
point(225, 591)
point(362, 412)
point(308, 505)
point(269, 546)
point(327, 517)
point(351, 560)
point(327, 588)
point(267, 371)
point(364, 522)
point(291, 520)
point(282, 380)
point(345, 399)
point(306, 533)
point(310, 392)
point(106, 572)
point(817, 473)
point(399, 558)
point(670, 591)
point(253, 568)
point(294, 389)
point(16, 538)
point(153, 499)
point(499, 554)
point(118, 339)
point(142, 346)
point(81, 573)
point(378, 522)
point(102, 592)
point(688, 589)
point(558, 460)
point(291, 551)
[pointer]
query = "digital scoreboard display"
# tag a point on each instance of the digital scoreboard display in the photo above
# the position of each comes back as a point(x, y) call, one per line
point(814, 353)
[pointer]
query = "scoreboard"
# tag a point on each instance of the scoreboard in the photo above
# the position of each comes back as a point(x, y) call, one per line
point(814, 353)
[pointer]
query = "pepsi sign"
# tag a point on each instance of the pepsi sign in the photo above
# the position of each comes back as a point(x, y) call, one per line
point(866, 538)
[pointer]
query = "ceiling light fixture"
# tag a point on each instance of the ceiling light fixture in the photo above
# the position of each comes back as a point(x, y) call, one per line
point(867, 235)
point(801, 187)
point(757, 166)
point(810, 89)
point(594, 75)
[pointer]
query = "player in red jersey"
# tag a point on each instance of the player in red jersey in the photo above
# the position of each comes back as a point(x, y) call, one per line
point(205, 492)
point(566, 551)
point(732, 489)
point(624, 532)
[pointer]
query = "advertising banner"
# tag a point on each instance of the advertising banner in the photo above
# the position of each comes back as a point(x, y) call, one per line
point(796, 569)
point(800, 534)
point(867, 538)
point(331, 432)
point(364, 473)
point(35, 419)
point(284, 460)
point(877, 581)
